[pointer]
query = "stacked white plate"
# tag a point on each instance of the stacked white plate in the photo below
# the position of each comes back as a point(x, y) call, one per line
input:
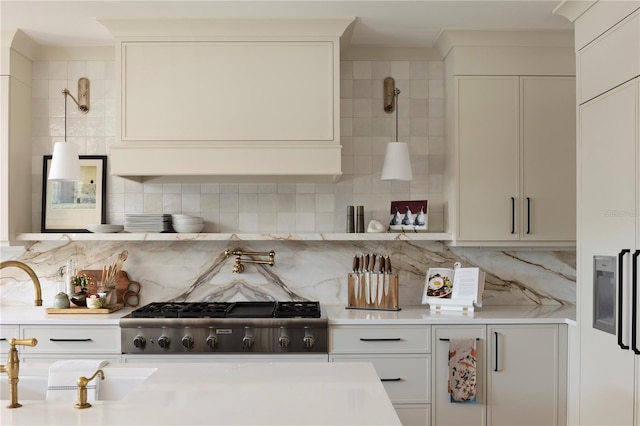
point(184, 223)
point(104, 228)
point(147, 222)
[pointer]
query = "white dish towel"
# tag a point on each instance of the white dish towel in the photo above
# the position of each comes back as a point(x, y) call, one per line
point(63, 378)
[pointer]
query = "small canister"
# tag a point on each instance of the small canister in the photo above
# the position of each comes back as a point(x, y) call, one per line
point(351, 227)
point(360, 219)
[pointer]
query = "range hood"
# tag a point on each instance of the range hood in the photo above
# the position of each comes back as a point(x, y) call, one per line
point(228, 100)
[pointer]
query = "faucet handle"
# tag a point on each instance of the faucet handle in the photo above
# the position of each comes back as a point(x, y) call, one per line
point(23, 342)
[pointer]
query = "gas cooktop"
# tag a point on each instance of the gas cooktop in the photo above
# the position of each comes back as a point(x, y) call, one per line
point(228, 310)
point(221, 327)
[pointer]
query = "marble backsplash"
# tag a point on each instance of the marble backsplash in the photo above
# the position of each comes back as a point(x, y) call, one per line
point(303, 270)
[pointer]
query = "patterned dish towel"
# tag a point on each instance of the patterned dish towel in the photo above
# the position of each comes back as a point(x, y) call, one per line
point(462, 370)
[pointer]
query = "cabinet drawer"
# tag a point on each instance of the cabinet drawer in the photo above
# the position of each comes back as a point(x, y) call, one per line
point(7, 332)
point(610, 60)
point(380, 339)
point(406, 378)
point(73, 339)
point(414, 414)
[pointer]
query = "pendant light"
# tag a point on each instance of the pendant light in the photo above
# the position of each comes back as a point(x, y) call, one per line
point(65, 162)
point(397, 163)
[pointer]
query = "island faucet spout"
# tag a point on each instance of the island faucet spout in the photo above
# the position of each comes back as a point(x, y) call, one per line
point(12, 368)
point(32, 275)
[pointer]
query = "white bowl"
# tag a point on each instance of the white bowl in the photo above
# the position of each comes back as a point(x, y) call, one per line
point(186, 219)
point(188, 228)
point(105, 228)
point(193, 221)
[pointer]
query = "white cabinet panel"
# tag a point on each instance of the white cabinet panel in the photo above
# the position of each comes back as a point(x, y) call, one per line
point(522, 384)
point(488, 157)
point(548, 135)
point(609, 157)
point(516, 163)
point(380, 339)
point(610, 60)
point(71, 340)
point(444, 412)
point(406, 378)
point(414, 414)
point(227, 91)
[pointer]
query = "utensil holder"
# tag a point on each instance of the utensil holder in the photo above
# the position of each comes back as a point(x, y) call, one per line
point(357, 292)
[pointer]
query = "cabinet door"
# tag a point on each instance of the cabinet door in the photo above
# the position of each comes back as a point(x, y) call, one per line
point(444, 412)
point(488, 135)
point(608, 217)
point(523, 375)
point(548, 135)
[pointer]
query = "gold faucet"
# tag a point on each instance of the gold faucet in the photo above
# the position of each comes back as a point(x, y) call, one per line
point(82, 389)
point(32, 275)
point(238, 267)
point(13, 368)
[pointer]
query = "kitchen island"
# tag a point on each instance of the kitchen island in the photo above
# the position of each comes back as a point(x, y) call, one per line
point(231, 394)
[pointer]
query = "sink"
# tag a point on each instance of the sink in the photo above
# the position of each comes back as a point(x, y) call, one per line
point(119, 381)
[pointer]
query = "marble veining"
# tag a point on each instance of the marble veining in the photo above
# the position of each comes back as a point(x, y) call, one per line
point(304, 270)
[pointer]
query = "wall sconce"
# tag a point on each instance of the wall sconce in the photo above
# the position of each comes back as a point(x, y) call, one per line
point(65, 163)
point(397, 163)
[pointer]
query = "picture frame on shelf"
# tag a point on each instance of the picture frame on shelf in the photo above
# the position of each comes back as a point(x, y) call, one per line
point(409, 216)
point(71, 206)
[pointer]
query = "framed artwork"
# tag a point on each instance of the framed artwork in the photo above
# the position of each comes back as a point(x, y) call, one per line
point(409, 216)
point(71, 206)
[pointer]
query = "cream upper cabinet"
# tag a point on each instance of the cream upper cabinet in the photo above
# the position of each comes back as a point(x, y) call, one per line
point(235, 99)
point(513, 149)
point(488, 157)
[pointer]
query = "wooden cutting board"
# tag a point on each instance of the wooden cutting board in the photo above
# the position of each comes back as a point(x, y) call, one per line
point(127, 291)
point(81, 310)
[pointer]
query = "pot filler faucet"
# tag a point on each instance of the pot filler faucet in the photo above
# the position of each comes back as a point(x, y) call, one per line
point(238, 267)
point(32, 275)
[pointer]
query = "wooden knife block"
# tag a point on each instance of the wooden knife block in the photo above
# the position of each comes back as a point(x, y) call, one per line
point(388, 301)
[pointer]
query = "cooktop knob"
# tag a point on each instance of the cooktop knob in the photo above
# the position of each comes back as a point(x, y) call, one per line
point(308, 341)
point(163, 342)
point(139, 341)
point(283, 341)
point(187, 342)
point(212, 341)
point(247, 340)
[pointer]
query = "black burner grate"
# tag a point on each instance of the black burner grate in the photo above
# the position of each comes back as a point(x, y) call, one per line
point(228, 310)
point(297, 310)
point(182, 310)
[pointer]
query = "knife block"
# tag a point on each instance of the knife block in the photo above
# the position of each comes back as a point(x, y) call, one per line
point(357, 293)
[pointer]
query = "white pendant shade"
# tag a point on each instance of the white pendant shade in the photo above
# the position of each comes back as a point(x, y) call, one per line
point(65, 163)
point(397, 164)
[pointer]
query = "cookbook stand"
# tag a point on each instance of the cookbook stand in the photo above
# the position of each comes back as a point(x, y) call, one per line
point(372, 290)
point(442, 304)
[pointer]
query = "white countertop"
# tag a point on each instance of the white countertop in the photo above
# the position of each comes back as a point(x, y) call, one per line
point(545, 314)
point(231, 394)
point(337, 315)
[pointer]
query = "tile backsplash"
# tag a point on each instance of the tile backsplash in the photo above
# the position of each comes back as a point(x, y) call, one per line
point(255, 207)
